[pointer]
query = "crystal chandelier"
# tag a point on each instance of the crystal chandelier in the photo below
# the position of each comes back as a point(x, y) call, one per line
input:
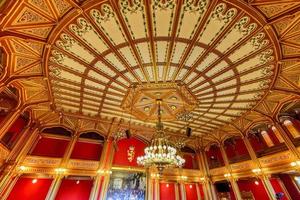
point(161, 153)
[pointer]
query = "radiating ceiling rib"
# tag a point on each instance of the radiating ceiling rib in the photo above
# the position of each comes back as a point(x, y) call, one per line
point(99, 57)
point(214, 43)
point(225, 55)
point(133, 47)
point(86, 86)
point(199, 29)
point(111, 46)
point(172, 40)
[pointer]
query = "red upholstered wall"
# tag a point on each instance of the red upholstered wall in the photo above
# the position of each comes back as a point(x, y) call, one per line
point(258, 191)
point(167, 193)
point(14, 131)
point(26, 190)
point(277, 187)
point(290, 186)
point(201, 191)
point(121, 156)
point(86, 151)
point(50, 147)
point(256, 144)
point(70, 190)
point(191, 192)
point(236, 149)
point(216, 153)
point(189, 161)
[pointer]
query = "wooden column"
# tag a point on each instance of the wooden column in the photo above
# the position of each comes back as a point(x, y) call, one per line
point(177, 197)
point(208, 187)
point(291, 128)
point(182, 191)
point(101, 181)
point(268, 186)
point(54, 187)
point(9, 171)
point(280, 130)
point(231, 179)
point(265, 180)
point(69, 150)
point(64, 162)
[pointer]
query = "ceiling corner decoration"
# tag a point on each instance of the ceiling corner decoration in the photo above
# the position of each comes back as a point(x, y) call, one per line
point(221, 52)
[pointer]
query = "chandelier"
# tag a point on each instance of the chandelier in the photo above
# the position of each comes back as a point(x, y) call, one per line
point(161, 153)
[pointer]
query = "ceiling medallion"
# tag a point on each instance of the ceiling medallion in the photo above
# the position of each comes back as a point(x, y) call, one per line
point(161, 153)
point(141, 101)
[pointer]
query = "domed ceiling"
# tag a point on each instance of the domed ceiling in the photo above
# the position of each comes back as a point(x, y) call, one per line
point(215, 61)
point(221, 53)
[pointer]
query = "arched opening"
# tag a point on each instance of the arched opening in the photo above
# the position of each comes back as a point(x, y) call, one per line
point(236, 149)
point(214, 156)
point(289, 116)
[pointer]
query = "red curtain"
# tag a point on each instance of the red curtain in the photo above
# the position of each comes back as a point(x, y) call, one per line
point(121, 155)
point(24, 189)
point(167, 191)
point(73, 190)
point(86, 151)
point(50, 147)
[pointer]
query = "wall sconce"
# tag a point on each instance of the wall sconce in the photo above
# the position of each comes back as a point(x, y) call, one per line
point(183, 177)
point(22, 168)
point(227, 175)
point(256, 171)
point(60, 170)
point(202, 179)
point(296, 163)
point(155, 175)
point(101, 171)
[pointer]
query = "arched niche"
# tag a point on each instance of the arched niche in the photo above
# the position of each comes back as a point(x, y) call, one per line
point(264, 140)
point(236, 149)
point(214, 156)
point(92, 135)
point(190, 157)
point(88, 146)
point(58, 130)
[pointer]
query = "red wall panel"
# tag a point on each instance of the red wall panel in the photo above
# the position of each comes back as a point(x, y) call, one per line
point(256, 144)
point(277, 187)
point(167, 191)
point(16, 128)
point(86, 151)
point(26, 190)
point(290, 186)
point(191, 191)
point(50, 147)
point(201, 191)
point(258, 191)
point(188, 161)
point(236, 149)
point(215, 153)
point(70, 190)
point(121, 155)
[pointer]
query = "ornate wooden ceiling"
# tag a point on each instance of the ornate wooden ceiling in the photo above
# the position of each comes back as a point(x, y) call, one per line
point(84, 57)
